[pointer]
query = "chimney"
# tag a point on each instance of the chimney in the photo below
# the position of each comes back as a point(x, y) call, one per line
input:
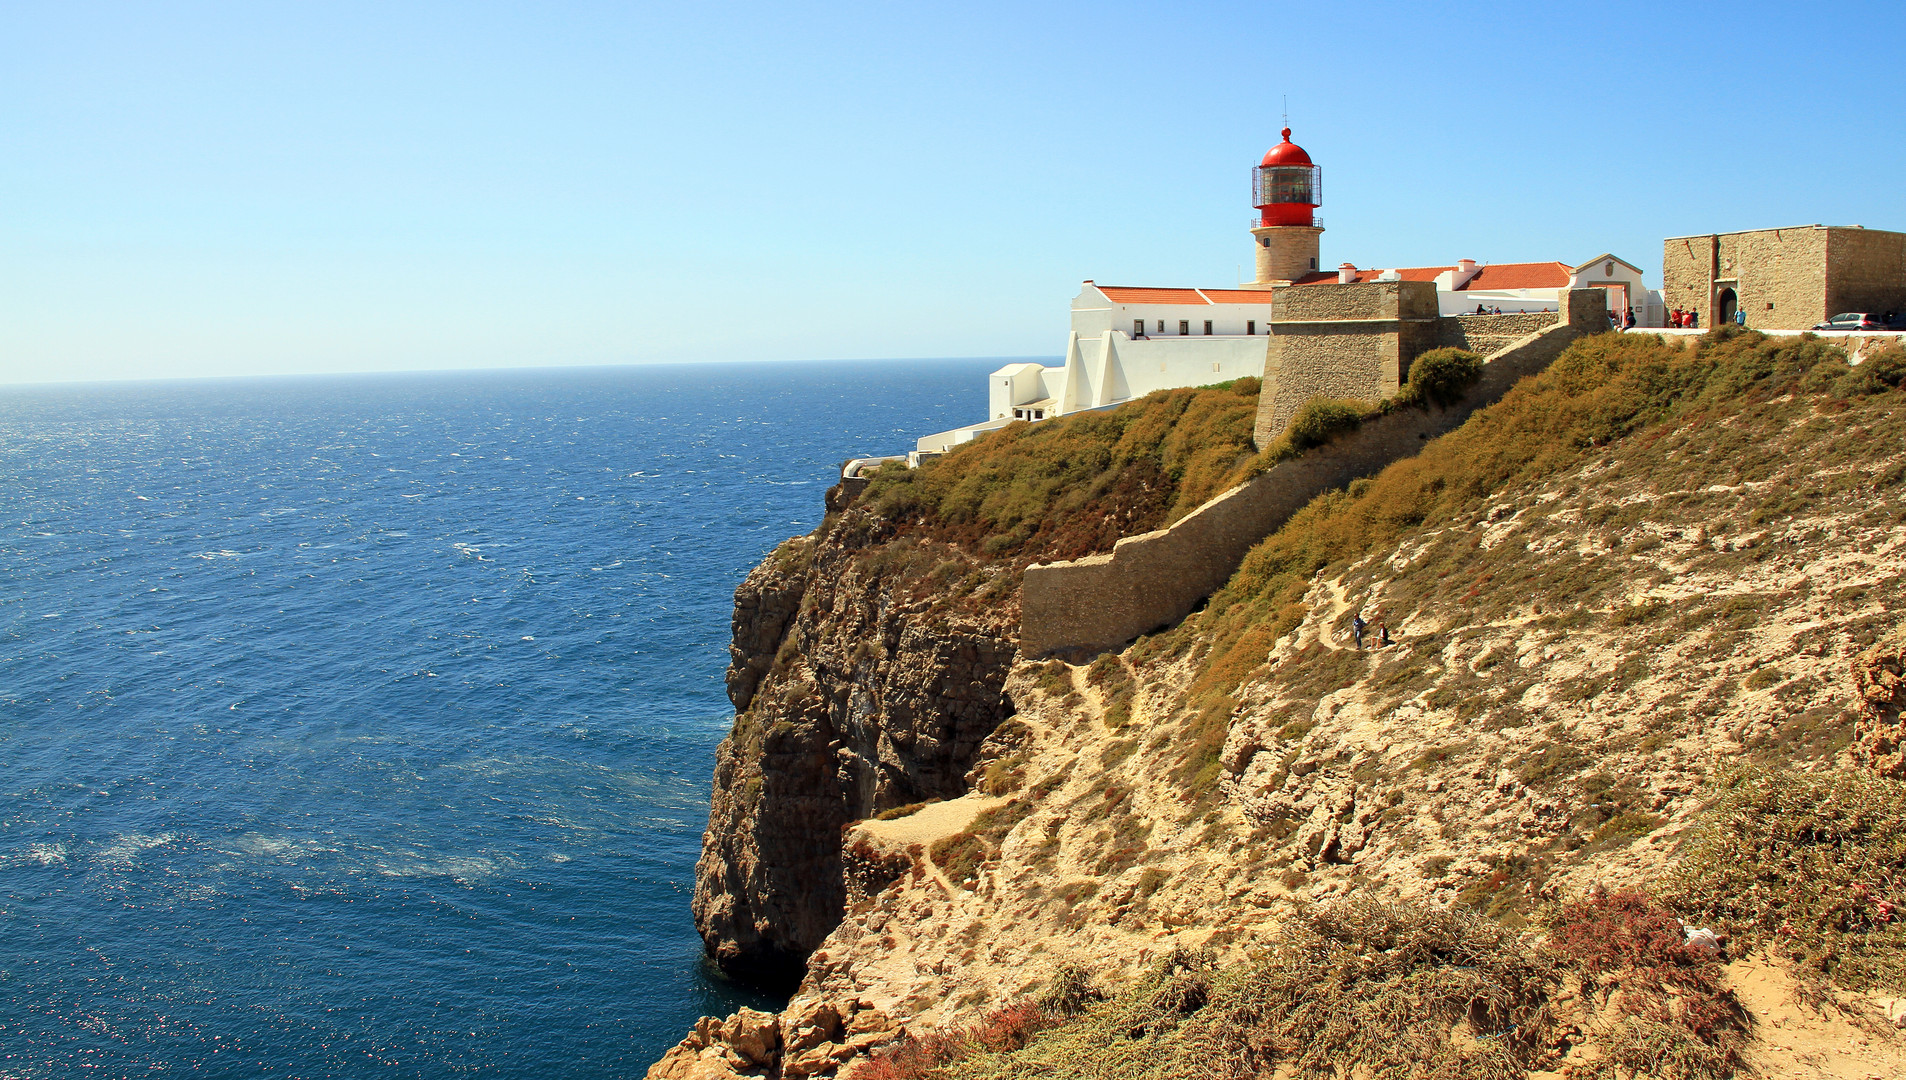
point(1465, 267)
point(1347, 274)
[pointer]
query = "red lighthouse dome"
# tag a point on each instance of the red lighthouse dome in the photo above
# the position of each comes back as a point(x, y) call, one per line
point(1286, 187)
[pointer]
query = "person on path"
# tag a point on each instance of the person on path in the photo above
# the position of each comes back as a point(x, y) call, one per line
point(1356, 627)
point(1740, 316)
point(1694, 320)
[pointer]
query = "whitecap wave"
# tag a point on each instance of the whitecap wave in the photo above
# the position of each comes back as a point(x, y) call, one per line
point(44, 854)
point(125, 850)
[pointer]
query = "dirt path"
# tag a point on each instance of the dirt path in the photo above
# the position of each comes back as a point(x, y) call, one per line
point(1339, 603)
point(933, 822)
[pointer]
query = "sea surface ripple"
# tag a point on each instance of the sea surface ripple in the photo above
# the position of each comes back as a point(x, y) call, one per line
point(362, 727)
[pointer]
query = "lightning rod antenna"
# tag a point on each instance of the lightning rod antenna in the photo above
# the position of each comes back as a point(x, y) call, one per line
point(1287, 110)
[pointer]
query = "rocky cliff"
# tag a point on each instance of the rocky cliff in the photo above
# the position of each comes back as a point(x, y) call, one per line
point(860, 684)
point(1641, 574)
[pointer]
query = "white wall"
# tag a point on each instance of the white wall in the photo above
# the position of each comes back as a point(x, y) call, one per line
point(1140, 367)
point(1598, 273)
point(1510, 301)
point(1016, 384)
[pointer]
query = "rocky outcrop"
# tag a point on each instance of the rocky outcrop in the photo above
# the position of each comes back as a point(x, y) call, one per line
point(745, 1044)
point(860, 685)
point(1879, 736)
point(813, 1038)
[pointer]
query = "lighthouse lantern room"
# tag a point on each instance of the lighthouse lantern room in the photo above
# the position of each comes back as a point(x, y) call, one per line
point(1286, 189)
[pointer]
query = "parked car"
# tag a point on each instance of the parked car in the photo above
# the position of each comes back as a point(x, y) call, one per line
point(1862, 320)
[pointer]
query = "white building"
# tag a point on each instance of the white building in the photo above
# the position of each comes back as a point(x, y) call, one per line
point(1126, 342)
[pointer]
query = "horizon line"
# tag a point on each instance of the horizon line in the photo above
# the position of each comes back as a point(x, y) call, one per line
point(9, 384)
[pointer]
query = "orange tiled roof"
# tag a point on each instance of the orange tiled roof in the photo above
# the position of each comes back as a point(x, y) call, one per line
point(1238, 296)
point(1122, 294)
point(1130, 294)
point(1540, 275)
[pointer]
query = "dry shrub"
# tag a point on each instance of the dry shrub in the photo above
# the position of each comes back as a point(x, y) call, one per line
point(1673, 1017)
point(927, 1057)
point(1812, 865)
point(1356, 989)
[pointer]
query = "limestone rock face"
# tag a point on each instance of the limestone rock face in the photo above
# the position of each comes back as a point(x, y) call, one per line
point(858, 688)
point(747, 1044)
point(1879, 736)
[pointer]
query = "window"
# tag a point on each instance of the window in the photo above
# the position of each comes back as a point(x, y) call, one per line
point(1250, 326)
point(1161, 326)
point(1313, 262)
point(1207, 328)
point(1184, 326)
point(1138, 327)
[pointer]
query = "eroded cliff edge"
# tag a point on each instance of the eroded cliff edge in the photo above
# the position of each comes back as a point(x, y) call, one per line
point(858, 687)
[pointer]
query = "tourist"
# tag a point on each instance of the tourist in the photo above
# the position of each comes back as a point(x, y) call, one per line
point(1628, 320)
point(1694, 320)
point(1740, 316)
point(1383, 635)
point(1356, 627)
point(1674, 318)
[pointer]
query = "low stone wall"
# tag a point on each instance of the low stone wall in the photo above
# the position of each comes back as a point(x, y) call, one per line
point(1486, 334)
point(1152, 581)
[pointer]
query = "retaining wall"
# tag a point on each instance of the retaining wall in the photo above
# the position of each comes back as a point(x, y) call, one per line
point(1488, 334)
point(1152, 581)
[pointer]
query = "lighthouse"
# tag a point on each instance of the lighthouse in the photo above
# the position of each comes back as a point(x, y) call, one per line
point(1286, 189)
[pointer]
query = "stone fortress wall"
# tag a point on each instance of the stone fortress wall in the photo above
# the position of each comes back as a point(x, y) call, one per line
point(1866, 271)
point(1153, 581)
point(1341, 341)
point(1486, 334)
point(1786, 279)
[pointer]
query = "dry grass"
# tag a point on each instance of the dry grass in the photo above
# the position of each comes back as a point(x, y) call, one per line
point(1357, 988)
point(1672, 417)
point(1074, 485)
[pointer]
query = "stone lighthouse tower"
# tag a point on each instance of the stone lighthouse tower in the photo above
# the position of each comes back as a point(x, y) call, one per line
point(1286, 189)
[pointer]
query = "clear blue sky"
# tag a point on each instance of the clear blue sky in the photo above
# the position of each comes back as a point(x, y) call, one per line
point(234, 188)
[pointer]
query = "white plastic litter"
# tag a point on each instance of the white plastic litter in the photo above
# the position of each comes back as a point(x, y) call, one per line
point(1700, 937)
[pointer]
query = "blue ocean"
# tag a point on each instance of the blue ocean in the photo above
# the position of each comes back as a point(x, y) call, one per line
point(362, 726)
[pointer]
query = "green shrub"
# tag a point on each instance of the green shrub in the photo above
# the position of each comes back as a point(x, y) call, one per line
point(1439, 377)
point(1322, 419)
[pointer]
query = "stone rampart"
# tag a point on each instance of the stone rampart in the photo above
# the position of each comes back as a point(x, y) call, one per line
point(1343, 341)
point(1152, 581)
point(1486, 334)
